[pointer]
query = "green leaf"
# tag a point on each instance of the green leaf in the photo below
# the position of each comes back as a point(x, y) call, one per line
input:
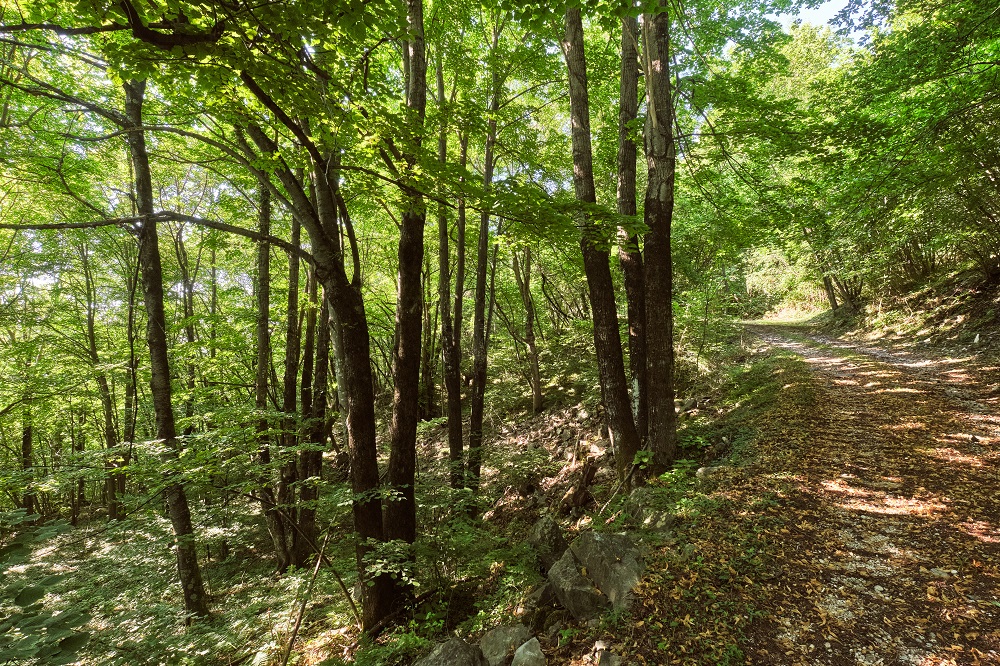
point(29, 595)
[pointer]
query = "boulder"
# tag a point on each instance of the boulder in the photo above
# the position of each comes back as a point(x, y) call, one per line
point(547, 539)
point(577, 594)
point(498, 645)
point(529, 654)
point(612, 561)
point(642, 508)
point(455, 652)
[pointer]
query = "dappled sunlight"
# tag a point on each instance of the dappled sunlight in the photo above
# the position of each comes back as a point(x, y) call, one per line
point(871, 500)
point(950, 455)
point(894, 506)
point(982, 530)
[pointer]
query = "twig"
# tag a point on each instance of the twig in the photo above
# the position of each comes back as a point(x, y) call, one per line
point(305, 601)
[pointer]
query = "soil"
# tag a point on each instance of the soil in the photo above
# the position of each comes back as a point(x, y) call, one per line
point(889, 529)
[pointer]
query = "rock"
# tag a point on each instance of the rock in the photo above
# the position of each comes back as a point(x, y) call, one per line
point(498, 645)
point(577, 594)
point(547, 539)
point(529, 654)
point(641, 507)
point(607, 658)
point(455, 652)
point(612, 561)
point(541, 597)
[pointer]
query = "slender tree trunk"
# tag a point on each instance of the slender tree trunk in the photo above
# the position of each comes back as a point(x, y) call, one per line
point(311, 459)
point(351, 327)
point(284, 493)
point(450, 329)
point(661, 160)
point(607, 339)
point(195, 599)
point(523, 278)
point(27, 456)
point(479, 330)
point(428, 408)
point(401, 512)
point(629, 256)
point(103, 390)
point(265, 493)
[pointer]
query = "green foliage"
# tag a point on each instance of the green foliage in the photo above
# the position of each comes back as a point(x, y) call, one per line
point(33, 633)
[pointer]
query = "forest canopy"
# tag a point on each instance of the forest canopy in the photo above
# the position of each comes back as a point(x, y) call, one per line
point(253, 254)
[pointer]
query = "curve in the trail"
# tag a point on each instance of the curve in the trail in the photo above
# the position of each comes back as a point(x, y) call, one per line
point(891, 549)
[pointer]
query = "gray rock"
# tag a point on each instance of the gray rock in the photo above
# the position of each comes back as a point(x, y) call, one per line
point(455, 652)
point(612, 561)
point(577, 594)
point(541, 596)
point(498, 645)
point(705, 472)
point(547, 539)
point(642, 508)
point(529, 654)
point(606, 658)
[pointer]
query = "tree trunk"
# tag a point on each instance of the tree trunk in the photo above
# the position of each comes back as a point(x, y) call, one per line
point(401, 511)
point(450, 358)
point(311, 459)
point(265, 494)
point(479, 332)
point(195, 599)
point(607, 339)
point(115, 511)
point(523, 278)
point(629, 256)
point(27, 455)
point(289, 400)
point(661, 160)
point(350, 326)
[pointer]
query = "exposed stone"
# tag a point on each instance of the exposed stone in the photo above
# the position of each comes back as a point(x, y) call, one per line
point(547, 539)
point(705, 472)
point(607, 658)
point(529, 654)
point(455, 652)
point(577, 594)
point(498, 645)
point(612, 561)
point(641, 507)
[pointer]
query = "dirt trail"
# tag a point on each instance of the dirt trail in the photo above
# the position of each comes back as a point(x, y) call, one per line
point(890, 530)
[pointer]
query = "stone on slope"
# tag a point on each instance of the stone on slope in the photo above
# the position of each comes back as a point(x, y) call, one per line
point(455, 652)
point(577, 594)
point(529, 654)
point(498, 645)
point(547, 539)
point(612, 561)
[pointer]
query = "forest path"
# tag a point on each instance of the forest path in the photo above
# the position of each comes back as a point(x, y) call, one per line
point(888, 537)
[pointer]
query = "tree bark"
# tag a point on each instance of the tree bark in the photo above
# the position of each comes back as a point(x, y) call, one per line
point(195, 599)
point(115, 511)
point(265, 493)
point(450, 358)
point(607, 339)
point(311, 458)
point(289, 398)
point(349, 324)
point(661, 161)
point(479, 329)
point(401, 510)
point(523, 278)
point(629, 256)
